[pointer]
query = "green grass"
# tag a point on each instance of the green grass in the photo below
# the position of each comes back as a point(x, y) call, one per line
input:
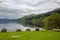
point(33, 35)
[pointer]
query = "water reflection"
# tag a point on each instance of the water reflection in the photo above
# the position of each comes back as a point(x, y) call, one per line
point(12, 26)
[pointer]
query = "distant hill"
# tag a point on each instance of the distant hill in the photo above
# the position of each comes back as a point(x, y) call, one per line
point(37, 19)
point(29, 17)
point(5, 20)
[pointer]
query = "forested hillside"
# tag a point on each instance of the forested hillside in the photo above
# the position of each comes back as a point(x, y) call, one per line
point(41, 20)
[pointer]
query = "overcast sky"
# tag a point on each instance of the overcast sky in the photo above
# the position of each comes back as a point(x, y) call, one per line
point(18, 8)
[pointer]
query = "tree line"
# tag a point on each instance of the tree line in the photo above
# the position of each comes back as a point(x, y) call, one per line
point(47, 20)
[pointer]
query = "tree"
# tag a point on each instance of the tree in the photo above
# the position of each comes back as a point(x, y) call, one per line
point(53, 21)
point(34, 21)
point(4, 30)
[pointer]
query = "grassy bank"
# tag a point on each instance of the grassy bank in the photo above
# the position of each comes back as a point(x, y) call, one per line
point(33, 35)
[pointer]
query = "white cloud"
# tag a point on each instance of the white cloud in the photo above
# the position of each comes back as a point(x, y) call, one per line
point(16, 8)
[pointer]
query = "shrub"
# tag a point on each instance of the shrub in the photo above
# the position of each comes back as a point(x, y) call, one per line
point(28, 30)
point(4, 30)
point(52, 21)
point(18, 30)
point(37, 29)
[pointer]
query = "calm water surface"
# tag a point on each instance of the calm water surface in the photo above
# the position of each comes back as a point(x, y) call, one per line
point(12, 26)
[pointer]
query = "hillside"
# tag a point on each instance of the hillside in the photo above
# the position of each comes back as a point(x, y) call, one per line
point(37, 20)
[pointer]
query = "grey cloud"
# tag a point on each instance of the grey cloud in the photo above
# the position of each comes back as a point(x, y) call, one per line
point(10, 13)
point(0, 1)
point(32, 7)
point(37, 4)
point(9, 10)
point(16, 12)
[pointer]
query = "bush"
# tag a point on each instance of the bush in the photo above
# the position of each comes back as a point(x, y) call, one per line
point(4, 30)
point(37, 29)
point(28, 30)
point(52, 21)
point(18, 30)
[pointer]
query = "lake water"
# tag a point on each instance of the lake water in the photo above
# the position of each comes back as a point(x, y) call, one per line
point(12, 26)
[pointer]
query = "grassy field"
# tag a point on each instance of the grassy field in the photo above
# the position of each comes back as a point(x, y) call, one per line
point(33, 35)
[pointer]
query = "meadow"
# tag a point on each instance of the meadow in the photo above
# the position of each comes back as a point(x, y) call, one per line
point(30, 35)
